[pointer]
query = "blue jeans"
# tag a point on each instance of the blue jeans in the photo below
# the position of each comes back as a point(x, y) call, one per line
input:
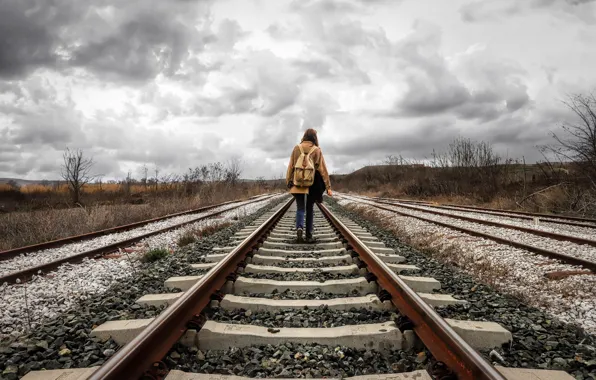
point(304, 205)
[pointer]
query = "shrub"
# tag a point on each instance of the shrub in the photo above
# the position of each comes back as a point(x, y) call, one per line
point(210, 230)
point(155, 254)
point(186, 238)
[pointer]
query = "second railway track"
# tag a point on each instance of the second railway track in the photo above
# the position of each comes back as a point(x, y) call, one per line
point(256, 296)
point(22, 263)
point(568, 249)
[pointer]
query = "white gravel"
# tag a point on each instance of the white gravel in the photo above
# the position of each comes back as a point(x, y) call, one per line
point(581, 232)
point(41, 257)
point(582, 251)
point(513, 214)
point(511, 270)
point(45, 297)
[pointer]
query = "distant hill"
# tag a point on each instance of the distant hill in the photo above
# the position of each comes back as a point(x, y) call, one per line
point(23, 182)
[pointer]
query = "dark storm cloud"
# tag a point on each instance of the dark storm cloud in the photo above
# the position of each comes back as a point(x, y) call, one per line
point(132, 41)
point(434, 88)
point(149, 40)
point(431, 87)
point(29, 35)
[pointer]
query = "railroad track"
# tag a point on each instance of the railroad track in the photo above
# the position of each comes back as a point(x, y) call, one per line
point(265, 271)
point(570, 249)
point(523, 215)
point(21, 264)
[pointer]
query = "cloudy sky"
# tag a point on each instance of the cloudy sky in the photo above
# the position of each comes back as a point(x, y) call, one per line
point(179, 83)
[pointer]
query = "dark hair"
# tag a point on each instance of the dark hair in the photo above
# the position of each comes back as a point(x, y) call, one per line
point(311, 135)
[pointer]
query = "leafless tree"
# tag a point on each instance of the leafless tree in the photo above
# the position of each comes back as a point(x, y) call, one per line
point(13, 184)
point(145, 172)
point(396, 160)
point(156, 178)
point(76, 171)
point(233, 170)
point(578, 142)
point(128, 182)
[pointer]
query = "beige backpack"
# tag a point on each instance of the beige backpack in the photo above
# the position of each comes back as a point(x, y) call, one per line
point(304, 169)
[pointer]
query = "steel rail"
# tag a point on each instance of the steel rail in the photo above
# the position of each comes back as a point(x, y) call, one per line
point(10, 253)
point(503, 213)
point(550, 235)
point(154, 342)
point(26, 274)
point(440, 338)
point(554, 218)
point(591, 265)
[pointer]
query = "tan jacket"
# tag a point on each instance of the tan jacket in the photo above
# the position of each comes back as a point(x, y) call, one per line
point(317, 159)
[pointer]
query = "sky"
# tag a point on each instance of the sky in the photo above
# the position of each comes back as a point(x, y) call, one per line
point(176, 84)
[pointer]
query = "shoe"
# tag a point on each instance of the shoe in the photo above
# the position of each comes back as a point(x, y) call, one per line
point(310, 239)
point(299, 234)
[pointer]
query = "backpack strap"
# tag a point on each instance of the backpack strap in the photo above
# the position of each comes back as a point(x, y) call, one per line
point(314, 147)
point(300, 148)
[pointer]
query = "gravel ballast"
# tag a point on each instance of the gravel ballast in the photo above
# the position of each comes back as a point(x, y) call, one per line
point(316, 294)
point(295, 360)
point(297, 276)
point(582, 251)
point(319, 317)
point(534, 330)
point(62, 340)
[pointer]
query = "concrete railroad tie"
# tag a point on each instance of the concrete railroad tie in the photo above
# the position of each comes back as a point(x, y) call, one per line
point(509, 373)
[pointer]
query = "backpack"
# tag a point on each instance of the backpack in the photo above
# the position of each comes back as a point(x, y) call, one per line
point(304, 169)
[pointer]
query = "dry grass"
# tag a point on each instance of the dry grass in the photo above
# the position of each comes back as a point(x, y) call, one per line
point(88, 188)
point(512, 187)
point(19, 229)
point(191, 236)
point(210, 230)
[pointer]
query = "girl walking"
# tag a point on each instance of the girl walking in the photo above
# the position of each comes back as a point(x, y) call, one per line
point(307, 178)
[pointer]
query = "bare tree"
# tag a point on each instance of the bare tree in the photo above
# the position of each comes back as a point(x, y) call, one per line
point(396, 160)
point(233, 170)
point(145, 172)
point(579, 144)
point(156, 178)
point(13, 184)
point(76, 171)
point(128, 182)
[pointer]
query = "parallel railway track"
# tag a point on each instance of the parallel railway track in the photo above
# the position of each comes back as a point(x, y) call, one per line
point(26, 273)
point(405, 209)
point(345, 259)
point(523, 215)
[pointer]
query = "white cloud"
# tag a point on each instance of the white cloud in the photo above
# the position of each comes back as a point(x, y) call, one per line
point(205, 81)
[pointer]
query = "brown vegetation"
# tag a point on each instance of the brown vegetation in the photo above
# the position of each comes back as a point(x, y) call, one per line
point(40, 213)
point(192, 235)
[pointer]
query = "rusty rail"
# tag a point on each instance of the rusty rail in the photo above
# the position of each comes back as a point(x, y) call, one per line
point(442, 341)
point(154, 342)
point(550, 235)
point(26, 274)
point(10, 253)
point(559, 219)
point(591, 265)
